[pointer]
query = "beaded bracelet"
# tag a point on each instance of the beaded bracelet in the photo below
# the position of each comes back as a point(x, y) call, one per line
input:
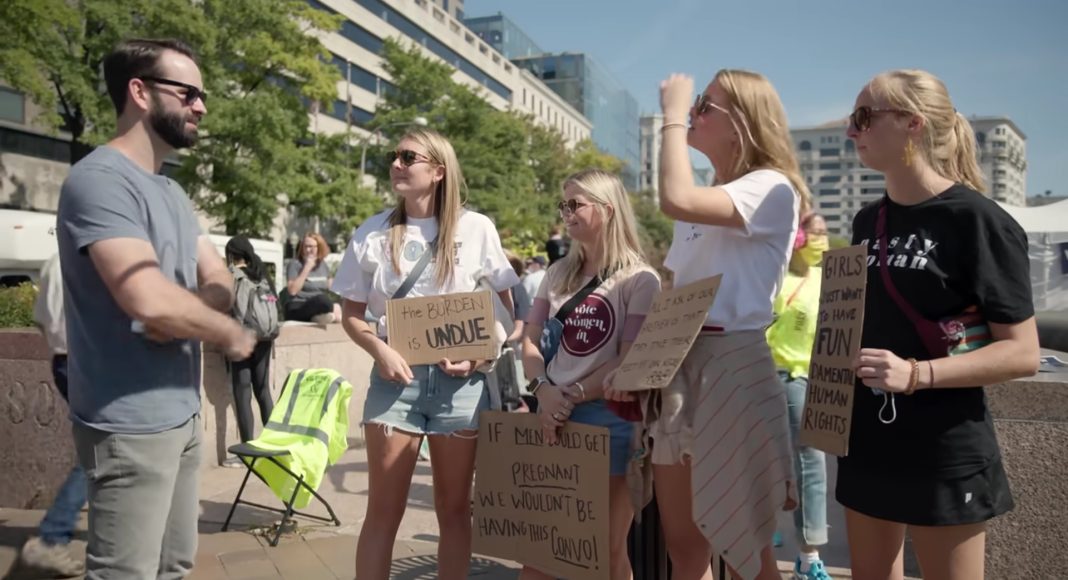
point(914, 376)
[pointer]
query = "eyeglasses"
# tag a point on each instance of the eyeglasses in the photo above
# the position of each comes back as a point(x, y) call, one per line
point(569, 206)
point(191, 93)
point(702, 104)
point(861, 118)
point(407, 157)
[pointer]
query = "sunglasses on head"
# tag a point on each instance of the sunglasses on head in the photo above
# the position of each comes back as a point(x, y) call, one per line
point(569, 206)
point(702, 104)
point(191, 93)
point(407, 157)
point(861, 118)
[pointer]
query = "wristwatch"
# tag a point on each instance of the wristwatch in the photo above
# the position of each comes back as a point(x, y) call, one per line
point(536, 383)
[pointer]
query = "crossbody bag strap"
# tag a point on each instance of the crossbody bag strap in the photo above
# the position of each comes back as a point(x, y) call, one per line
point(577, 299)
point(880, 232)
point(417, 270)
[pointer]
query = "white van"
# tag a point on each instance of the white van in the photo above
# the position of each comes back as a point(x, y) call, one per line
point(28, 240)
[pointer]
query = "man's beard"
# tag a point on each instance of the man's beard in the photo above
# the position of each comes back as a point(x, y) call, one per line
point(171, 126)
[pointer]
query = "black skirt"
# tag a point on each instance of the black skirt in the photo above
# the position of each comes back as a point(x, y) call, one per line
point(920, 499)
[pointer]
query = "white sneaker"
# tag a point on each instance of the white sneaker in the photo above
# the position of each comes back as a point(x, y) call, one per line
point(49, 561)
point(323, 319)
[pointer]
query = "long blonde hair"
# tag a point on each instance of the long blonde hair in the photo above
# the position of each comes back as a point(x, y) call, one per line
point(948, 143)
point(622, 249)
point(447, 205)
point(760, 119)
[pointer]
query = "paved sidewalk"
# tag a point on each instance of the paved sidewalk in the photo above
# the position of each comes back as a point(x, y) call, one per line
point(316, 551)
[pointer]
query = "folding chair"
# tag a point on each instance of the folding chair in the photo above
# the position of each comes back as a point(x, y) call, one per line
point(295, 446)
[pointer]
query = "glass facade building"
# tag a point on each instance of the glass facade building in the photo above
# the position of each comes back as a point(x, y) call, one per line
point(504, 36)
point(588, 87)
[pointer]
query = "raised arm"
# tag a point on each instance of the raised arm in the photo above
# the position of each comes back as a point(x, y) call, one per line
point(680, 198)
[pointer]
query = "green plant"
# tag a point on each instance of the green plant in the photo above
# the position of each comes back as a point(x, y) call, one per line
point(16, 306)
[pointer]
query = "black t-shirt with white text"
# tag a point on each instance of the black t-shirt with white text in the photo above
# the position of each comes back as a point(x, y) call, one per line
point(955, 250)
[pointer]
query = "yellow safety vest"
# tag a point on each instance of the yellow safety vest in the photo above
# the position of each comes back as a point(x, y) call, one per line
point(311, 421)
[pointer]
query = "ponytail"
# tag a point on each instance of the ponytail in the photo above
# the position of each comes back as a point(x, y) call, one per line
point(963, 163)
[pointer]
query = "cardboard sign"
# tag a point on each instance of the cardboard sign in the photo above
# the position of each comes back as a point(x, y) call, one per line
point(674, 320)
point(543, 506)
point(828, 412)
point(453, 326)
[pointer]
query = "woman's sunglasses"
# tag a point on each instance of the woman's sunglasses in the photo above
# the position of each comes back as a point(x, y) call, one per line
point(702, 104)
point(191, 93)
point(861, 118)
point(569, 206)
point(407, 157)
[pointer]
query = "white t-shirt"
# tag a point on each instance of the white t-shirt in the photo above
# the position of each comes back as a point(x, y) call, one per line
point(366, 272)
point(752, 260)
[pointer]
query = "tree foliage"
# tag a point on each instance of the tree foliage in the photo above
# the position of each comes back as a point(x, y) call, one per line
point(260, 66)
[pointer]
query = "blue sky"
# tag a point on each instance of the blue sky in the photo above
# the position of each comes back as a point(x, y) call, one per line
point(1005, 57)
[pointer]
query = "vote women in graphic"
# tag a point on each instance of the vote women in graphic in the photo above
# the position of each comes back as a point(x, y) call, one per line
point(605, 257)
point(406, 403)
point(722, 461)
point(948, 273)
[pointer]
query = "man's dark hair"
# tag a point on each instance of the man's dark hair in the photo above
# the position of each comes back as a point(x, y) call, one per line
point(136, 58)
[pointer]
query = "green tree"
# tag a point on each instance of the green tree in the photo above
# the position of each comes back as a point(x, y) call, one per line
point(587, 156)
point(655, 229)
point(260, 67)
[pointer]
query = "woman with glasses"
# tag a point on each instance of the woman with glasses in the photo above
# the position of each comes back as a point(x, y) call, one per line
point(308, 283)
point(948, 309)
point(722, 459)
point(600, 292)
point(428, 245)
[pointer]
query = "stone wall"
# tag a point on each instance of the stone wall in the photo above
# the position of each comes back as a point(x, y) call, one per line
point(1031, 417)
point(37, 451)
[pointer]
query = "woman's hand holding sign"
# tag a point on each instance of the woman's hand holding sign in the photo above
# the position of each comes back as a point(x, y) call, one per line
point(611, 394)
point(462, 368)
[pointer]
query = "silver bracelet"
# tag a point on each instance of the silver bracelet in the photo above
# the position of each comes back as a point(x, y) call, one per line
point(582, 390)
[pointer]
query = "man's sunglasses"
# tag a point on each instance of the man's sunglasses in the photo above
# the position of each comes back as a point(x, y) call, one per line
point(407, 157)
point(191, 93)
point(702, 104)
point(861, 118)
point(569, 206)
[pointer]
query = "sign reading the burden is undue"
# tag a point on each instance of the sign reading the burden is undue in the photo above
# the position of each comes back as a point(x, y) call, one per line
point(828, 412)
point(453, 326)
point(540, 505)
point(668, 332)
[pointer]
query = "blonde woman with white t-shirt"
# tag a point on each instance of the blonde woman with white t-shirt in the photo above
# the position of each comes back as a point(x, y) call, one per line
point(721, 452)
point(408, 402)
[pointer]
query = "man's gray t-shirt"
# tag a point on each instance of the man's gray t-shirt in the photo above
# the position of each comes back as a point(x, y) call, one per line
point(315, 284)
point(120, 381)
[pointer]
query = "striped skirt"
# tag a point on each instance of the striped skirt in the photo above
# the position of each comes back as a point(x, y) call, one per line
point(726, 410)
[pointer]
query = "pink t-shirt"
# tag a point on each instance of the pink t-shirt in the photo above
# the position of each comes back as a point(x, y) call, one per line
point(596, 329)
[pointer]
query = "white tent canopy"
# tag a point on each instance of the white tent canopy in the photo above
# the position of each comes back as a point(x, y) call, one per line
point(1052, 218)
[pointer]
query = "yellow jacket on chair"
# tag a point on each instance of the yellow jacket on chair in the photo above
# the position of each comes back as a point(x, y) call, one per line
point(311, 422)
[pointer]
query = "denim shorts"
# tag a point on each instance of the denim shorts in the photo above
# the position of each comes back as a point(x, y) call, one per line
point(597, 414)
point(434, 403)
